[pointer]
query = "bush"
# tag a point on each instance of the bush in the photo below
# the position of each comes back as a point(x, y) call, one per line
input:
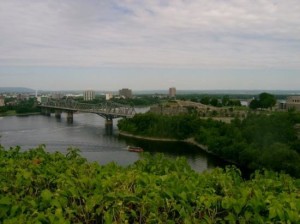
point(39, 187)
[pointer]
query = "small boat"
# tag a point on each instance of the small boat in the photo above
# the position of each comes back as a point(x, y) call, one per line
point(135, 149)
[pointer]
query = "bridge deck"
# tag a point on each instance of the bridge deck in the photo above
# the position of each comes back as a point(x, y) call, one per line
point(107, 110)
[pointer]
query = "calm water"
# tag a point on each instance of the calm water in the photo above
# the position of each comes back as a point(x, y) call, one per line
point(88, 133)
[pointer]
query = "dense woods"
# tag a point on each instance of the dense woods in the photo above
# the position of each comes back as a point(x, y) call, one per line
point(258, 141)
point(40, 187)
point(21, 107)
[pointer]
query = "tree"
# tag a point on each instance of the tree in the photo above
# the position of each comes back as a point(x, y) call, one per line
point(267, 100)
point(214, 102)
point(254, 104)
point(225, 100)
point(205, 100)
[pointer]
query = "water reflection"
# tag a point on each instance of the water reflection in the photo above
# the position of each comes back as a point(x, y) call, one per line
point(96, 142)
point(197, 158)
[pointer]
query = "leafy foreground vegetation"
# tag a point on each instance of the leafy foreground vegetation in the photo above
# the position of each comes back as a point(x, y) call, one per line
point(39, 187)
point(258, 141)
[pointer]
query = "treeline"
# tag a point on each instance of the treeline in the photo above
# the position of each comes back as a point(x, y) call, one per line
point(41, 187)
point(213, 100)
point(258, 141)
point(142, 100)
point(139, 101)
point(21, 106)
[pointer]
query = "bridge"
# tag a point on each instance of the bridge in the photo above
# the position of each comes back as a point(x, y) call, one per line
point(107, 110)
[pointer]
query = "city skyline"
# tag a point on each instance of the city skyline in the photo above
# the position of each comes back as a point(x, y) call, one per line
point(143, 45)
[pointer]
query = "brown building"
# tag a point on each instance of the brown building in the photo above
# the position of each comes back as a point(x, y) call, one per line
point(293, 102)
point(127, 93)
point(2, 103)
point(172, 92)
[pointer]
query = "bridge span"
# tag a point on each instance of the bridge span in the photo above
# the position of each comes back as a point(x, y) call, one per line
point(107, 110)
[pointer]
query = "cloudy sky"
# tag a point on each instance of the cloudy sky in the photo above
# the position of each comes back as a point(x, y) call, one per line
point(150, 44)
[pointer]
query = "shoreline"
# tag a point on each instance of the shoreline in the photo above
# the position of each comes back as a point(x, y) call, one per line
point(20, 115)
point(188, 141)
point(126, 134)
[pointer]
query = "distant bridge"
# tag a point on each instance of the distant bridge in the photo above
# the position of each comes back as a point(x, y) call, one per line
point(107, 110)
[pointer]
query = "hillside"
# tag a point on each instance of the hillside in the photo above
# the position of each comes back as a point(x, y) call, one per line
point(16, 90)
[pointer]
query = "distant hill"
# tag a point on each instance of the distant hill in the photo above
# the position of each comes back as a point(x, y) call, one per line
point(16, 90)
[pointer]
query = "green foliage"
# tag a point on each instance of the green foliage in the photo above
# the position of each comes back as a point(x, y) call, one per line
point(21, 107)
point(153, 125)
point(142, 100)
point(39, 187)
point(218, 101)
point(265, 100)
point(258, 141)
point(254, 104)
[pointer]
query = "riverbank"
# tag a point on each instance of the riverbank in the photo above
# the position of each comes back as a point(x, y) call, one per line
point(191, 141)
point(126, 134)
point(19, 115)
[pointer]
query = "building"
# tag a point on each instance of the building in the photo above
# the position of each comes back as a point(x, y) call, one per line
point(126, 93)
point(88, 95)
point(21, 97)
point(42, 99)
point(293, 102)
point(108, 96)
point(172, 92)
point(2, 103)
point(57, 96)
point(281, 104)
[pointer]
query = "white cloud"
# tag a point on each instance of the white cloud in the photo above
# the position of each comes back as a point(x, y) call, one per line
point(177, 33)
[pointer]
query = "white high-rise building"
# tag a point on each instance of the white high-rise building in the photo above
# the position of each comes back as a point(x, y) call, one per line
point(88, 95)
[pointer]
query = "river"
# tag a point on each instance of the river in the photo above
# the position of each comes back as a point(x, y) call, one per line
point(88, 134)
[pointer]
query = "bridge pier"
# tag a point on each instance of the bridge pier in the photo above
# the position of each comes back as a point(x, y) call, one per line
point(70, 117)
point(108, 122)
point(58, 114)
point(108, 125)
point(46, 112)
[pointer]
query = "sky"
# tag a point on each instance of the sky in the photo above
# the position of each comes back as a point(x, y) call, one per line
point(150, 44)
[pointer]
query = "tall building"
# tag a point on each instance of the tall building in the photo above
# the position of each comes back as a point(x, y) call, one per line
point(172, 92)
point(127, 93)
point(57, 95)
point(88, 95)
point(108, 96)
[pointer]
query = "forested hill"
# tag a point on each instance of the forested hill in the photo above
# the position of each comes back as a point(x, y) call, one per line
point(16, 90)
point(258, 141)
